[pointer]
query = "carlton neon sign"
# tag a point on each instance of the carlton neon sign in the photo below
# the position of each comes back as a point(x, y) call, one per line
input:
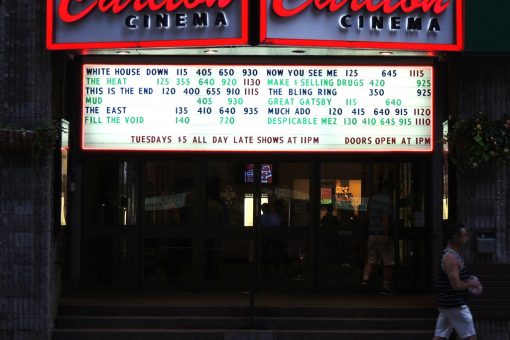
point(437, 6)
point(81, 24)
point(394, 24)
point(117, 6)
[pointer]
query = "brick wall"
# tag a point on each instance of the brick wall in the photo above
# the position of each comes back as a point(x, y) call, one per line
point(482, 84)
point(28, 272)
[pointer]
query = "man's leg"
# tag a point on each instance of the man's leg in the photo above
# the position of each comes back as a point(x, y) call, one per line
point(443, 327)
point(387, 277)
point(388, 257)
point(461, 320)
point(367, 271)
point(372, 258)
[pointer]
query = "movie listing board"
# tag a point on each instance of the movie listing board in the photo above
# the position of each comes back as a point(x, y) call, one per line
point(294, 108)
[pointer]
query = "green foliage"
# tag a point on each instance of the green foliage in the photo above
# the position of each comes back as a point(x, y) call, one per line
point(39, 141)
point(46, 138)
point(480, 140)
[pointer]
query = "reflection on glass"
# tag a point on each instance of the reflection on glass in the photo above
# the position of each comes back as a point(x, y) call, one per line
point(285, 205)
point(248, 208)
point(291, 189)
point(226, 189)
point(168, 194)
point(342, 190)
point(110, 193)
point(167, 262)
point(227, 262)
point(64, 155)
point(344, 197)
point(63, 187)
point(266, 173)
point(411, 196)
point(110, 201)
point(229, 204)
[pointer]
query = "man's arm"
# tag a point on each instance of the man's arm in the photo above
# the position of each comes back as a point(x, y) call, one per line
point(451, 265)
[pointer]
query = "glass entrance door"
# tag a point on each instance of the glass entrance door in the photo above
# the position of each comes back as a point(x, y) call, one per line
point(234, 223)
point(285, 225)
point(226, 220)
point(111, 234)
point(257, 218)
point(346, 190)
point(168, 225)
point(414, 232)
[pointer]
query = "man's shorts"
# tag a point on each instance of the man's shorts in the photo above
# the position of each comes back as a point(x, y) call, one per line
point(379, 250)
point(459, 318)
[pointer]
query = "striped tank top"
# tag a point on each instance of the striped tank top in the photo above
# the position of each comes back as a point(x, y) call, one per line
point(447, 297)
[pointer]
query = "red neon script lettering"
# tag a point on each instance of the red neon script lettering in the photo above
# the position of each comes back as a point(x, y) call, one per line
point(116, 6)
point(406, 6)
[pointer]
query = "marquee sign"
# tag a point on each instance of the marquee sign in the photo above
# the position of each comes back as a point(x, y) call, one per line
point(84, 24)
point(431, 25)
point(260, 108)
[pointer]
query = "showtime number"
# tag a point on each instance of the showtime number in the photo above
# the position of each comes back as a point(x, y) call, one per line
point(226, 72)
point(213, 91)
point(168, 91)
point(204, 101)
point(206, 81)
point(250, 72)
point(401, 112)
point(182, 120)
point(423, 83)
point(227, 110)
point(181, 110)
point(228, 82)
point(251, 110)
point(204, 72)
point(369, 121)
point(335, 111)
point(192, 91)
point(350, 121)
point(204, 110)
point(381, 112)
point(389, 73)
point(387, 121)
point(393, 102)
point(235, 101)
point(227, 120)
point(233, 91)
point(376, 92)
point(423, 93)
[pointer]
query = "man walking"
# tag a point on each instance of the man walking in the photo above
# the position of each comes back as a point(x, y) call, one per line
point(453, 283)
point(380, 247)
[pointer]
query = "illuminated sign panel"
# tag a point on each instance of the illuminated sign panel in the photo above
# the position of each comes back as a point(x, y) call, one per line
point(324, 108)
point(82, 24)
point(390, 24)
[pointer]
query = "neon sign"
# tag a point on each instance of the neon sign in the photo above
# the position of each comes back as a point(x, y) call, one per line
point(430, 25)
point(387, 7)
point(85, 24)
point(117, 6)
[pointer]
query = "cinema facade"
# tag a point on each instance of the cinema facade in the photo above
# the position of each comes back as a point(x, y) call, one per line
point(181, 120)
